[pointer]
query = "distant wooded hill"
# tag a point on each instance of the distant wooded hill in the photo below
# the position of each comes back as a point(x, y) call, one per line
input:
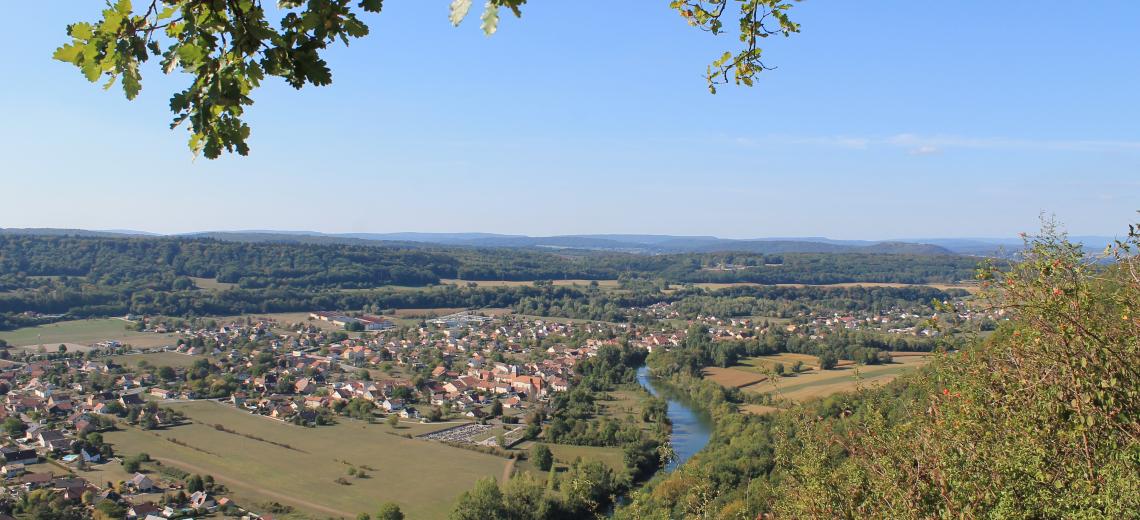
point(100, 275)
point(257, 260)
point(627, 243)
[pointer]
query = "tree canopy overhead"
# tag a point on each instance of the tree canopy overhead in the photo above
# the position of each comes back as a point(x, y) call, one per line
point(228, 47)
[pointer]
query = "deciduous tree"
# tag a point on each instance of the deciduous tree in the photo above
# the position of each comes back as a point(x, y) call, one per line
point(228, 47)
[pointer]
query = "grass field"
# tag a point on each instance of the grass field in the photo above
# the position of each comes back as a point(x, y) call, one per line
point(211, 284)
point(423, 477)
point(763, 364)
point(732, 377)
point(565, 454)
point(84, 332)
point(812, 382)
point(822, 383)
point(605, 284)
point(100, 474)
point(610, 456)
point(971, 288)
point(622, 404)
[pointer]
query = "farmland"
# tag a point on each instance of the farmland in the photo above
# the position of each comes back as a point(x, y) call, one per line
point(84, 332)
point(764, 364)
point(733, 377)
point(812, 382)
point(968, 287)
point(422, 477)
point(605, 284)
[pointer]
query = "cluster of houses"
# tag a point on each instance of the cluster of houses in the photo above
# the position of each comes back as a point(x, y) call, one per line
point(461, 364)
point(49, 415)
point(466, 388)
point(196, 502)
point(302, 373)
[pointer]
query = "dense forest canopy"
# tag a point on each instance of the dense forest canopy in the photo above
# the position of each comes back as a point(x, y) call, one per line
point(99, 276)
point(111, 261)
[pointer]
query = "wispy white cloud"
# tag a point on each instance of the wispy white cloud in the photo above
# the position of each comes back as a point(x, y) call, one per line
point(925, 150)
point(915, 144)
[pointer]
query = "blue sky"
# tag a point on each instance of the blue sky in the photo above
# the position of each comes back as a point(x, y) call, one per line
point(884, 119)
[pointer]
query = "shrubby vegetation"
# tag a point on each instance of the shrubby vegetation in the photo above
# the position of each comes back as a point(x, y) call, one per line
point(90, 276)
point(786, 302)
point(864, 347)
point(575, 417)
point(1037, 421)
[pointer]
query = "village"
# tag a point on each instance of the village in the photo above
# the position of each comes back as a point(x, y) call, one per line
point(471, 372)
point(76, 417)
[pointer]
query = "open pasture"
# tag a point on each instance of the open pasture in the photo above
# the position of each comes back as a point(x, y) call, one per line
point(84, 332)
point(566, 454)
point(822, 383)
point(270, 461)
point(605, 284)
point(764, 364)
point(211, 284)
point(622, 404)
point(733, 377)
point(971, 288)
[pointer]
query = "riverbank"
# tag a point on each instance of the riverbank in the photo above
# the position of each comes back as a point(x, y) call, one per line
point(691, 426)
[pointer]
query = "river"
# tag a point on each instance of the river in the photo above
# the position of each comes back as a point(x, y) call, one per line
point(691, 428)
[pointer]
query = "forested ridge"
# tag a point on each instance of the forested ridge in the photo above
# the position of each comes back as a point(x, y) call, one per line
point(252, 265)
point(102, 276)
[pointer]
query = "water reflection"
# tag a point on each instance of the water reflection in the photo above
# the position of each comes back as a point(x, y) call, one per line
point(691, 428)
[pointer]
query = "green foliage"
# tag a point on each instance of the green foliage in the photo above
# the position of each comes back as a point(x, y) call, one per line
point(14, 427)
point(133, 463)
point(525, 498)
point(115, 276)
point(1037, 421)
point(359, 408)
point(583, 492)
point(828, 361)
point(228, 47)
point(167, 373)
point(484, 501)
point(757, 19)
point(195, 484)
point(389, 511)
point(541, 457)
